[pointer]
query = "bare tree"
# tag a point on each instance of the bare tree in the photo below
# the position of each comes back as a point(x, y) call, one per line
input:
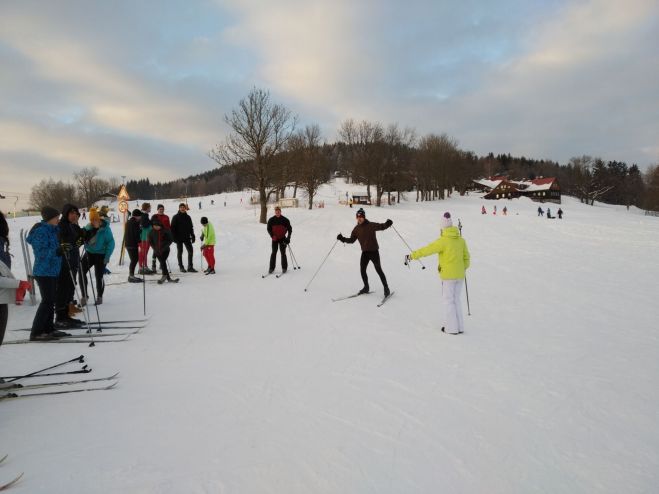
point(260, 130)
point(51, 193)
point(312, 166)
point(90, 186)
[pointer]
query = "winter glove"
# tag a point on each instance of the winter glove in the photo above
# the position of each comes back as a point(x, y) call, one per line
point(287, 240)
point(341, 238)
point(201, 237)
point(106, 270)
point(80, 241)
point(23, 287)
point(388, 223)
point(407, 259)
point(192, 239)
point(64, 248)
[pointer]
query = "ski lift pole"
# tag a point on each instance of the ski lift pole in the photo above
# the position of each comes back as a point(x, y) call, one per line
point(410, 248)
point(321, 264)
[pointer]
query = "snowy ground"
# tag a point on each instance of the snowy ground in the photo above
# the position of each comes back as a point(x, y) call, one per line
point(245, 385)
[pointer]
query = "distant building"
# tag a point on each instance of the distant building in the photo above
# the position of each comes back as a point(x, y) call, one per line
point(539, 189)
point(361, 199)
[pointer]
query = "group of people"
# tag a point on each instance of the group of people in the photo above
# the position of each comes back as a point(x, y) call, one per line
point(549, 216)
point(56, 242)
point(145, 231)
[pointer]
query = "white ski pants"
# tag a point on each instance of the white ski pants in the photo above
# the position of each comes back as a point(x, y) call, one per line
point(452, 294)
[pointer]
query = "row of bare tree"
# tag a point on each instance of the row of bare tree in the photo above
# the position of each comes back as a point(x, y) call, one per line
point(86, 188)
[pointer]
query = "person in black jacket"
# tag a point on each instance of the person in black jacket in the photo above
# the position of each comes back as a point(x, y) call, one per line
point(132, 242)
point(70, 239)
point(183, 234)
point(160, 239)
point(280, 231)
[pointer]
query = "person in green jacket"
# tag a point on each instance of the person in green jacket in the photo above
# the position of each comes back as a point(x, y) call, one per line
point(208, 245)
point(454, 260)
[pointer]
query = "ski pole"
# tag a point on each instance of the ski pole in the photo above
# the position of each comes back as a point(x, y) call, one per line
point(467, 290)
point(410, 248)
point(75, 290)
point(296, 265)
point(80, 359)
point(321, 264)
point(98, 316)
point(144, 288)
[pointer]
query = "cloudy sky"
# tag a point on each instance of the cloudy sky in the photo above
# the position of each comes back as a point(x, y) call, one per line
point(140, 88)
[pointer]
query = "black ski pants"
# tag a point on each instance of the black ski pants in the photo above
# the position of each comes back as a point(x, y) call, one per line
point(273, 257)
point(4, 313)
point(98, 262)
point(179, 252)
point(134, 258)
point(162, 258)
point(374, 257)
point(65, 290)
point(43, 319)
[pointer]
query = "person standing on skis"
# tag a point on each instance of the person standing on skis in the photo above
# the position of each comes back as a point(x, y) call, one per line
point(183, 233)
point(280, 231)
point(453, 261)
point(160, 238)
point(365, 233)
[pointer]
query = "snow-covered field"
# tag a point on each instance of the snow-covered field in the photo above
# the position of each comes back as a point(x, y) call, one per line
point(246, 385)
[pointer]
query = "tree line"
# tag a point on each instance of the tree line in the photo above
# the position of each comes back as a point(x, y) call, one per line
point(267, 152)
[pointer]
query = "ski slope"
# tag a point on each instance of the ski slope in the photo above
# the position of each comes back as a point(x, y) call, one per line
point(246, 385)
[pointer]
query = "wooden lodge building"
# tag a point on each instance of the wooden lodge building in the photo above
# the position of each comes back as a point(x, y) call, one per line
point(538, 189)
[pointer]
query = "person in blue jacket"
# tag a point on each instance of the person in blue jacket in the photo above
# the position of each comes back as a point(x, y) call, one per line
point(44, 239)
point(99, 245)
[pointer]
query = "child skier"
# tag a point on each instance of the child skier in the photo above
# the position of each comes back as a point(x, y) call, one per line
point(208, 245)
point(99, 245)
point(160, 239)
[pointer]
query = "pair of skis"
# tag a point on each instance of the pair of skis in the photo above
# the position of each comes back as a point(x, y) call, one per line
point(27, 259)
point(277, 275)
point(11, 482)
point(382, 302)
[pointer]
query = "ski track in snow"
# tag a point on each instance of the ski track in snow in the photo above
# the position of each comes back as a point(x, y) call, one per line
point(240, 384)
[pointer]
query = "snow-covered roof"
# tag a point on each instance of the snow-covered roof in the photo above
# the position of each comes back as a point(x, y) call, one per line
point(488, 183)
point(538, 184)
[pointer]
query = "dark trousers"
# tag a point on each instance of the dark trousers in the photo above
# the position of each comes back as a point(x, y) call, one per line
point(4, 313)
point(43, 319)
point(162, 258)
point(98, 262)
point(179, 252)
point(134, 257)
point(374, 257)
point(273, 257)
point(65, 291)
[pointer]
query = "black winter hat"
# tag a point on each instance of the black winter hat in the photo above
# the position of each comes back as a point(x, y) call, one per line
point(361, 212)
point(48, 213)
point(136, 212)
point(204, 220)
point(160, 206)
point(68, 208)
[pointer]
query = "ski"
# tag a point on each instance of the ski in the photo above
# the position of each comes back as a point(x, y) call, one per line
point(84, 370)
point(266, 275)
point(68, 339)
point(171, 280)
point(60, 383)
point(10, 483)
point(4, 458)
point(349, 296)
point(384, 299)
point(92, 326)
point(11, 396)
point(116, 321)
point(280, 275)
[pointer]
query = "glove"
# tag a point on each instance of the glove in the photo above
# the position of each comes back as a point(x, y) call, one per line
point(341, 238)
point(201, 237)
point(106, 270)
point(192, 239)
point(64, 248)
point(407, 259)
point(388, 223)
point(80, 241)
point(287, 240)
point(23, 286)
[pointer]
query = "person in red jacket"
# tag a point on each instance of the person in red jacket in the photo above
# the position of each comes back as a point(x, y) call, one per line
point(280, 231)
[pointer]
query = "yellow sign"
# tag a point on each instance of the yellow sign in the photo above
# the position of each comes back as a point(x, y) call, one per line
point(123, 206)
point(123, 194)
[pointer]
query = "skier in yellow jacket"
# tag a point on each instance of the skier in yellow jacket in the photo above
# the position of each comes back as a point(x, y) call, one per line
point(453, 262)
